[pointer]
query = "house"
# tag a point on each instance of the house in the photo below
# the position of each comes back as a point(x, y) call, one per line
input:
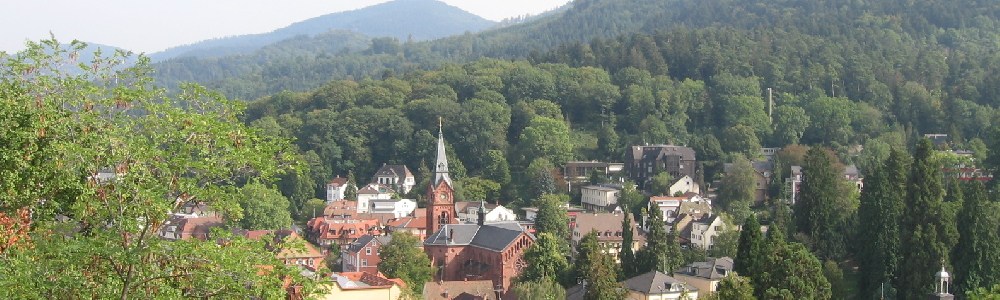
point(183, 228)
point(468, 212)
point(335, 189)
point(852, 175)
point(705, 275)
point(289, 247)
point(769, 153)
point(531, 212)
point(704, 231)
point(361, 286)
point(644, 162)
point(362, 255)
point(328, 231)
point(417, 226)
point(397, 207)
point(460, 290)
point(341, 209)
point(658, 286)
point(683, 185)
point(672, 207)
point(600, 197)
point(397, 177)
point(579, 171)
point(373, 191)
point(609, 230)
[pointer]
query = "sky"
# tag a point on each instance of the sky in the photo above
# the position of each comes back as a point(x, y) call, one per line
point(154, 25)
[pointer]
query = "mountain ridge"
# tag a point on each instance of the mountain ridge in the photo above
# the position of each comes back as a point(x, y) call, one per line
point(403, 19)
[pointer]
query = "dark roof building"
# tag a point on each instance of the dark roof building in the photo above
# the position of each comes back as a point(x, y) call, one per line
point(644, 162)
point(655, 283)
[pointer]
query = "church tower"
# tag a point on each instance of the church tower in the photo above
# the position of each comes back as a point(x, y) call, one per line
point(440, 193)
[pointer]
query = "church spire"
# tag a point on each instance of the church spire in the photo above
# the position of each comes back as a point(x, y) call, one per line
point(441, 166)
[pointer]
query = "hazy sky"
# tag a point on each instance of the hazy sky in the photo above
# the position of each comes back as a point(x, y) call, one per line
point(150, 26)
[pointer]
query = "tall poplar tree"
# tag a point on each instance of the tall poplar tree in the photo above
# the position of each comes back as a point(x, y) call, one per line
point(815, 211)
point(880, 211)
point(925, 242)
point(662, 251)
point(975, 258)
point(627, 254)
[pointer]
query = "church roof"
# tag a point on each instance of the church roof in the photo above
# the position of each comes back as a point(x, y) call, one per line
point(494, 236)
point(441, 165)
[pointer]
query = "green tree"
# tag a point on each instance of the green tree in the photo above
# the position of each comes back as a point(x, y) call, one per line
point(835, 275)
point(402, 258)
point(790, 122)
point(547, 138)
point(478, 189)
point(264, 209)
point(749, 253)
point(542, 289)
point(627, 255)
point(552, 217)
point(926, 244)
point(880, 213)
point(726, 243)
point(313, 208)
point(741, 139)
point(662, 251)
point(816, 211)
point(60, 130)
point(351, 189)
point(984, 293)
point(975, 259)
point(791, 272)
point(660, 184)
point(545, 260)
point(739, 186)
point(497, 169)
point(598, 269)
point(734, 287)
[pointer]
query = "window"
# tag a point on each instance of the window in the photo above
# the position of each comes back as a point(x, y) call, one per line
point(368, 250)
point(364, 262)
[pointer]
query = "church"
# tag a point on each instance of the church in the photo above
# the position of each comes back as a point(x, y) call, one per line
point(469, 251)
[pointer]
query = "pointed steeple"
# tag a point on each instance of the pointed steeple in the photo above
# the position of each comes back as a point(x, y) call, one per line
point(441, 166)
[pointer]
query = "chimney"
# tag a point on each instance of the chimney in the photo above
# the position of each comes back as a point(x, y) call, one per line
point(451, 234)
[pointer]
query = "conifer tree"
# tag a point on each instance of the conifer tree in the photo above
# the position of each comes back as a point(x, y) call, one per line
point(351, 189)
point(735, 287)
point(880, 211)
point(662, 251)
point(925, 242)
point(627, 254)
point(751, 247)
point(975, 258)
point(815, 211)
point(790, 272)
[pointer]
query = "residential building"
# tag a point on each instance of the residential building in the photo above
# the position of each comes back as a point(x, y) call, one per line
point(373, 191)
point(600, 197)
point(769, 153)
point(460, 290)
point(335, 189)
point(683, 185)
point(704, 231)
point(397, 177)
point(672, 207)
point(705, 275)
point(468, 212)
point(654, 285)
point(531, 212)
point(417, 226)
point(289, 247)
point(341, 209)
point(609, 230)
point(397, 207)
point(762, 178)
point(362, 286)
point(579, 171)
point(183, 228)
point(327, 231)
point(362, 255)
point(644, 162)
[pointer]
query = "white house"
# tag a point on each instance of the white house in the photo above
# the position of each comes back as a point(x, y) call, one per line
point(372, 191)
point(395, 176)
point(683, 185)
point(335, 189)
point(599, 197)
point(398, 207)
point(671, 207)
point(704, 231)
point(468, 212)
point(658, 286)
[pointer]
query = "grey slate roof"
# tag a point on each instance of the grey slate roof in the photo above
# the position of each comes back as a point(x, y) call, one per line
point(653, 281)
point(713, 269)
point(494, 236)
point(659, 151)
point(367, 239)
point(398, 171)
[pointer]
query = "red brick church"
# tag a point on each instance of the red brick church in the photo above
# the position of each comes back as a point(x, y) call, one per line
point(469, 251)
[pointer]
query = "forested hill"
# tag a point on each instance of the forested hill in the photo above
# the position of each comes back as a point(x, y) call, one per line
point(403, 19)
point(934, 24)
